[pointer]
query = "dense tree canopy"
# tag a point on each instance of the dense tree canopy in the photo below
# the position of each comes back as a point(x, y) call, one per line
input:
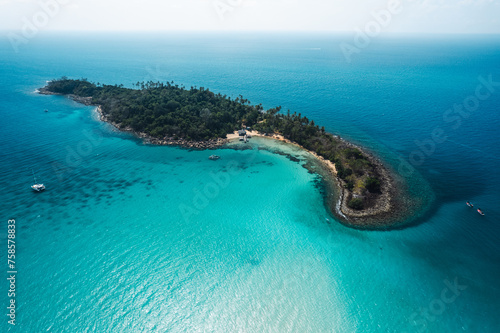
point(165, 110)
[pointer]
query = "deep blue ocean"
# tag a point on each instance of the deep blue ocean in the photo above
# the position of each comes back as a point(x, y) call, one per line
point(130, 237)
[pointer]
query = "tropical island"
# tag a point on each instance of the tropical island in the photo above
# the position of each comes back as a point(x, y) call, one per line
point(367, 193)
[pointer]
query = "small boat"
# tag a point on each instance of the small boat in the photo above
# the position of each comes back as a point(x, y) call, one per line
point(480, 211)
point(214, 157)
point(469, 204)
point(46, 110)
point(37, 187)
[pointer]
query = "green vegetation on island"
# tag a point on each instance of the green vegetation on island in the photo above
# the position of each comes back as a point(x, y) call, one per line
point(164, 109)
point(168, 112)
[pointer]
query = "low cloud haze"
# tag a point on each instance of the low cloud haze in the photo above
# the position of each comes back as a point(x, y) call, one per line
point(426, 16)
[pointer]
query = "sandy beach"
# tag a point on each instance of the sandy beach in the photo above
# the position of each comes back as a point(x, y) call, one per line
point(329, 164)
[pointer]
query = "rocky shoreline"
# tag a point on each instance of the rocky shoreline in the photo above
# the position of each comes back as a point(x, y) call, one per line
point(198, 145)
point(82, 100)
point(384, 212)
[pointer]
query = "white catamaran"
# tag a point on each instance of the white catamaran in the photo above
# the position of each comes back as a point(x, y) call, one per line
point(37, 187)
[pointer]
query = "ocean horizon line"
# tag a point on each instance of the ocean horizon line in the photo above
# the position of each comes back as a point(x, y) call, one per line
point(236, 32)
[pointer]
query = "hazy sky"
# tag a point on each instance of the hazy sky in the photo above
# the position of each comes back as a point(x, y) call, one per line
point(331, 15)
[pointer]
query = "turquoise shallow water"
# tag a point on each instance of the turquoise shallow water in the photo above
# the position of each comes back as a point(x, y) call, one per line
point(130, 237)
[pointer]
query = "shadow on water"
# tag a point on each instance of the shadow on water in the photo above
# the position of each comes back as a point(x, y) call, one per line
point(471, 253)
